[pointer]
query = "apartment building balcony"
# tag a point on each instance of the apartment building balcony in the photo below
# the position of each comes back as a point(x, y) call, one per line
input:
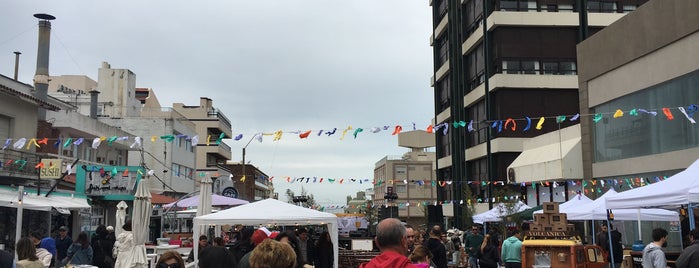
point(218, 151)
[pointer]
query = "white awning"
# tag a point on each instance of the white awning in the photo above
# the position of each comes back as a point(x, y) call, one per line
point(558, 159)
point(9, 198)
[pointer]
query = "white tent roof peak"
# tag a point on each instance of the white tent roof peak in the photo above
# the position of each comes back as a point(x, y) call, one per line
point(680, 189)
point(268, 211)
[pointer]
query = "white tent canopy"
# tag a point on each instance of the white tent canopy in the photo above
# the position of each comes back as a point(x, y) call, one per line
point(578, 200)
point(680, 189)
point(499, 211)
point(597, 210)
point(271, 211)
point(8, 198)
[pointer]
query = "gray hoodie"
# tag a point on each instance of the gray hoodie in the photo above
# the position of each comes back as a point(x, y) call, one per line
point(653, 257)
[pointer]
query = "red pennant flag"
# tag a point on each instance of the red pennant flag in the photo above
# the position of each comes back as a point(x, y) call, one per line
point(40, 165)
point(342, 180)
point(668, 114)
point(397, 130)
point(126, 173)
point(321, 179)
point(430, 129)
point(43, 141)
point(305, 134)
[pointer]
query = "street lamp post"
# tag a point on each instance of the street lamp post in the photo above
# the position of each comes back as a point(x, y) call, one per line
point(244, 147)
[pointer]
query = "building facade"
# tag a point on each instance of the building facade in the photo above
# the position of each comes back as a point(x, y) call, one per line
point(409, 178)
point(210, 125)
point(501, 59)
point(647, 61)
point(256, 185)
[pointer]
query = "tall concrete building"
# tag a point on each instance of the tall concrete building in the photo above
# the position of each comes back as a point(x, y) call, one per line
point(646, 60)
point(500, 59)
point(410, 177)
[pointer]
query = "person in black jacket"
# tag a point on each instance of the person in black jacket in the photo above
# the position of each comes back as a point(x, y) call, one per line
point(690, 255)
point(102, 248)
point(434, 244)
point(489, 256)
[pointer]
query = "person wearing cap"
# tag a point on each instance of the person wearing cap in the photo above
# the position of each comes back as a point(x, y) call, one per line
point(257, 237)
point(63, 242)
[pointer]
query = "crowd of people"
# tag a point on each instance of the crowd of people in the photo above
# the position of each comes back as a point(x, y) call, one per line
point(402, 246)
point(290, 249)
point(252, 248)
point(40, 251)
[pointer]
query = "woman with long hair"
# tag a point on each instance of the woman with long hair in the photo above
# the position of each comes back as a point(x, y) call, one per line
point(325, 256)
point(489, 253)
point(80, 252)
point(170, 259)
point(26, 254)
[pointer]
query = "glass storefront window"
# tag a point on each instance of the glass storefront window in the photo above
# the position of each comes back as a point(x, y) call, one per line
point(632, 136)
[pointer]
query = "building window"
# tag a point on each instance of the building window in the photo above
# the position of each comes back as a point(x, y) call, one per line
point(475, 67)
point(517, 5)
point(601, 6)
point(442, 8)
point(444, 93)
point(643, 135)
point(443, 50)
point(477, 114)
point(401, 188)
point(444, 144)
point(513, 66)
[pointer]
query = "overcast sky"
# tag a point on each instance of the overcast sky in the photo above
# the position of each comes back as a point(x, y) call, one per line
point(268, 65)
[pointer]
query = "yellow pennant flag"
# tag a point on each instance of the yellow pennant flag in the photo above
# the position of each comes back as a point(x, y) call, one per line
point(618, 113)
point(153, 138)
point(540, 124)
point(243, 178)
point(208, 140)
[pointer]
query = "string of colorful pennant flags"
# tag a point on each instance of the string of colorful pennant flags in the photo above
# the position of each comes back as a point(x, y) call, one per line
point(499, 124)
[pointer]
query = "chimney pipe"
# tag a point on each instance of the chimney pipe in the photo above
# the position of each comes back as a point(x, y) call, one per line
point(93, 103)
point(41, 77)
point(17, 63)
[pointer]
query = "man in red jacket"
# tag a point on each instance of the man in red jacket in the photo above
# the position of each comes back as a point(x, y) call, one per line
point(393, 243)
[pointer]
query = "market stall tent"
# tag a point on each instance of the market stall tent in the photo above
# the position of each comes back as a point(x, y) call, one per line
point(576, 201)
point(271, 212)
point(597, 210)
point(673, 192)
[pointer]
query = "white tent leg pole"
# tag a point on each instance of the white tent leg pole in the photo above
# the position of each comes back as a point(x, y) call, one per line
point(690, 212)
point(594, 234)
point(638, 214)
point(18, 228)
point(609, 241)
point(195, 251)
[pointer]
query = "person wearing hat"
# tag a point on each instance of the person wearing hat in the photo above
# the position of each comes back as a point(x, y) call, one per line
point(63, 242)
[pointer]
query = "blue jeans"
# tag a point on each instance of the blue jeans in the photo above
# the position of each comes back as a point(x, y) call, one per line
point(473, 261)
